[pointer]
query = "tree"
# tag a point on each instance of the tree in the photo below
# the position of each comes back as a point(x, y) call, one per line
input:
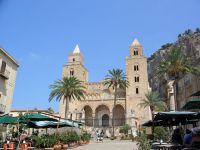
point(50, 109)
point(197, 30)
point(67, 89)
point(154, 102)
point(175, 65)
point(116, 79)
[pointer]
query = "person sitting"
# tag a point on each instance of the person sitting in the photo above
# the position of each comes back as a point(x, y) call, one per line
point(187, 140)
point(177, 137)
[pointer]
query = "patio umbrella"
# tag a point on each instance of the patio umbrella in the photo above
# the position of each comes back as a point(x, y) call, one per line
point(195, 94)
point(192, 105)
point(176, 118)
point(47, 124)
point(38, 117)
point(72, 123)
point(6, 119)
point(167, 123)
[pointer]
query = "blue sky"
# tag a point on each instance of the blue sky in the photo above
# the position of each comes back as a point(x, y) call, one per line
point(40, 34)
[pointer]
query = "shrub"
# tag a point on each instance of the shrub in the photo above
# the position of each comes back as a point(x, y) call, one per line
point(64, 138)
point(143, 142)
point(85, 136)
point(124, 129)
point(73, 136)
point(161, 133)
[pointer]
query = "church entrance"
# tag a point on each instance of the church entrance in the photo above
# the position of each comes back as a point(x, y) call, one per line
point(88, 116)
point(119, 115)
point(102, 114)
point(105, 120)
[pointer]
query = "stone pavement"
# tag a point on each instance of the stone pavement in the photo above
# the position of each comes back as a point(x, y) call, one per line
point(109, 145)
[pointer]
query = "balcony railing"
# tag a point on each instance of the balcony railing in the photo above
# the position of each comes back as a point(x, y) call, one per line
point(5, 74)
point(2, 108)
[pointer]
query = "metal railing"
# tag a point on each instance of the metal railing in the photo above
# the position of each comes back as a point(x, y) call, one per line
point(102, 123)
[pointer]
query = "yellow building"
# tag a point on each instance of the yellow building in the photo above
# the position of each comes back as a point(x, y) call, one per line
point(97, 109)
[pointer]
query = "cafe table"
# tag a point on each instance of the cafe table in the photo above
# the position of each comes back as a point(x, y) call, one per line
point(166, 146)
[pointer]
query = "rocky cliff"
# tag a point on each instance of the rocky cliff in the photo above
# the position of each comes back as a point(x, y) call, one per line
point(188, 42)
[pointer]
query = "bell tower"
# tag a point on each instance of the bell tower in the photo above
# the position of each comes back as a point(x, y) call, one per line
point(136, 71)
point(75, 66)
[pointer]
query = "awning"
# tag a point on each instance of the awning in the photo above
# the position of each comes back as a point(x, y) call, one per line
point(192, 105)
point(195, 94)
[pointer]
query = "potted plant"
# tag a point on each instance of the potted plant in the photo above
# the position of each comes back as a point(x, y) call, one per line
point(58, 144)
point(50, 141)
point(73, 139)
point(85, 138)
point(64, 140)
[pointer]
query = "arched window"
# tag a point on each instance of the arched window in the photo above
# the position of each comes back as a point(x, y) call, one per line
point(137, 90)
point(136, 67)
point(135, 52)
point(105, 120)
point(137, 78)
point(71, 72)
point(73, 59)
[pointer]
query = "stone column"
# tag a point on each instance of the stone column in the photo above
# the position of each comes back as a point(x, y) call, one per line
point(171, 95)
point(93, 120)
point(110, 119)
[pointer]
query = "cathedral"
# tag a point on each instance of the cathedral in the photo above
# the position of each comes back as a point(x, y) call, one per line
point(96, 110)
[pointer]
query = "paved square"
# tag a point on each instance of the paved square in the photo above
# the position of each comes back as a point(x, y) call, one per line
point(109, 145)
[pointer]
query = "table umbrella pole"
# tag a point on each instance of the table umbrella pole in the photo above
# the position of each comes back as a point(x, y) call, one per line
point(18, 135)
point(57, 125)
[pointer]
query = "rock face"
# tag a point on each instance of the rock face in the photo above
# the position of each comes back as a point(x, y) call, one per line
point(189, 43)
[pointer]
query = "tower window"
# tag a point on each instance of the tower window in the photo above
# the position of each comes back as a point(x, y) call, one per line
point(135, 52)
point(137, 90)
point(71, 73)
point(136, 68)
point(73, 59)
point(137, 79)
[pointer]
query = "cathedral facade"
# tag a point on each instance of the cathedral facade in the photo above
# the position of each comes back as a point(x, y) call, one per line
point(97, 109)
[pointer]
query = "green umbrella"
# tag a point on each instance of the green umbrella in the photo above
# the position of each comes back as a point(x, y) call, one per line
point(6, 119)
point(195, 94)
point(38, 117)
point(47, 124)
point(192, 105)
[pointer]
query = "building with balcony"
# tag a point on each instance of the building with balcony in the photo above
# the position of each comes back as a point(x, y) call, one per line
point(8, 70)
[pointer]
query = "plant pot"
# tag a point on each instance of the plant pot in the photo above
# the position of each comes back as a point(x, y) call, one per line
point(57, 147)
point(87, 142)
point(73, 144)
point(49, 148)
point(65, 146)
point(5, 146)
point(81, 143)
point(11, 145)
point(23, 146)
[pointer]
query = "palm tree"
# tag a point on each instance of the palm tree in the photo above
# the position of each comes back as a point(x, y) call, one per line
point(116, 79)
point(67, 89)
point(174, 66)
point(153, 100)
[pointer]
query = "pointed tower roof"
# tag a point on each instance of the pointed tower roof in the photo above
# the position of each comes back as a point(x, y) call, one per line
point(135, 43)
point(76, 49)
